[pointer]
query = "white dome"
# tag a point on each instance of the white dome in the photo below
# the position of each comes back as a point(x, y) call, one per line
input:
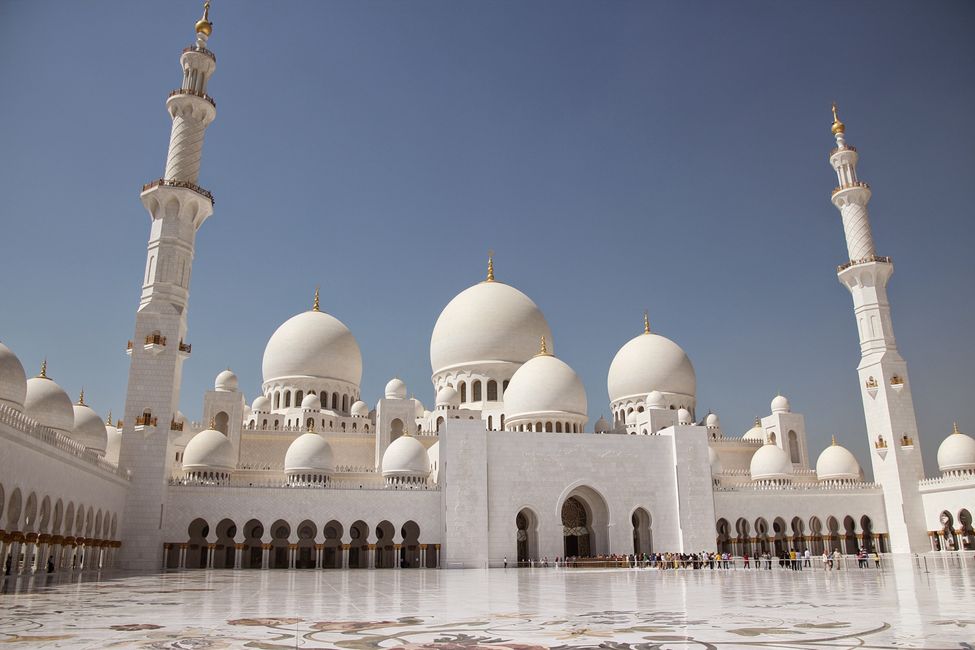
point(715, 461)
point(545, 384)
point(780, 404)
point(396, 389)
point(684, 417)
point(113, 443)
point(490, 321)
point(711, 421)
point(47, 403)
point(757, 432)
point(313, 344)
point(836, 463)
point(209, 449)
point(311, 402)
point(650, 362)
point(770, 462)
point(656, 400)
point(13, 379)
point(261, 404)
point(447, 396)
point(406, 456)
point(226, 381)
point(360, 409)
point(418, 408)
point(89, 429)
point(956, 452)
point(602, 426)
point(311, 453)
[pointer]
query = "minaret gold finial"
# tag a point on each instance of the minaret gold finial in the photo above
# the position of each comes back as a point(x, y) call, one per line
point(314, 306)
point(646, 322)
point(954, 427)
point(43, 374)
point(81, 398)
point(543, 351)
point(834, 440)
point(838, 127)
point(203, 25)
point(490, 273)
point(108, 420)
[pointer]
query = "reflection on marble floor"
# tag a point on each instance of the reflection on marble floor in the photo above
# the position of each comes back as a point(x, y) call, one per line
point(899, 607)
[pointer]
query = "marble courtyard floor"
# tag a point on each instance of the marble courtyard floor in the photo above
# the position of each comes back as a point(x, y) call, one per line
point(898, 607)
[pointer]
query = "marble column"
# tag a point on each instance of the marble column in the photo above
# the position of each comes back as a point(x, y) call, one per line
point(423, 556)
point(436, 548)
point(182, 556)
point(344, 551)
point(396, 556)
point(372, 556)
point(265, 556)
point(292, 555)
point(238, 555)
point(14, 557)
point(211, 551)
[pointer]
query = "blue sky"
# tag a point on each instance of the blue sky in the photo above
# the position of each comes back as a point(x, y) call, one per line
point(617, 156)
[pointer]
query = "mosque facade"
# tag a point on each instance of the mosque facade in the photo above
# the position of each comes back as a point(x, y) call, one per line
point(504, 464)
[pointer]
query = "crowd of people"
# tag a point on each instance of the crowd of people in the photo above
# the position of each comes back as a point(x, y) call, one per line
point(796, 560)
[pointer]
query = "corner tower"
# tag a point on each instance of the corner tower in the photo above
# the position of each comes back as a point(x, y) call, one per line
point(177, 208)
point(895, 449)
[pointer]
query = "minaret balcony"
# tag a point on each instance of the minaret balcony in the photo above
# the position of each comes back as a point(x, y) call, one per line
point(169, 182)
point(200, 50)
point(847, 147)
point(865, 260)
point(849, 186)
point(194, 93)
point(185, 349)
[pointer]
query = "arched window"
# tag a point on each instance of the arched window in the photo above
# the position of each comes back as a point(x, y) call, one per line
point(794, 447)
point(504, 386)
point(548, 427)
point(335, 401)
point(492, 391)
point(502, 421)
point(287, 398)
point(277, 399)
point(476, 390)
point(222, 421)
point(345, 403)
point(463, 392)
point(299, 397)
point(264, 424)
point(490, 423)
point(558, 427)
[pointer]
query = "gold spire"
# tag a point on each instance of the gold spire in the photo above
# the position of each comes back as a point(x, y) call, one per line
point(314, 306)
point(954, 427)
point(108, 420)
point(543, 351)
point(646, 322)
point(311, 426)
point(43, 374)
point(213, 423)
point(834, 441)
point(203, 25)
point(81, 398)
point(838, 127)
point(490, 273)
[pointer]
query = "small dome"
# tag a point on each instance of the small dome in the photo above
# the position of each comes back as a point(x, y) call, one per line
point(684, 417)
point(711, 421)
point(226, 381)
point(543, 385)
point(956, 452)
point(13, 379)
point(836, 463)
point(209, 450)
point(770, 462)
point(650, 362)
point(311, 402)
point(418, 409)
point(113, 443)
point(89, 429)
point(489, 322)
point(406, 456)
point(360, 409)
point(47, 403)
point(396, 389)
point(447, 396)
point(315, 345)
point(656, 400)
point(756, 433)
point(309, 453)
point(780, 404)
point(261, 404)
point(602, 426)
point(715, 461)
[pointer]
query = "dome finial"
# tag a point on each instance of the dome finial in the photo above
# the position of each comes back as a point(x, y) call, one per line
point(314, 306)
point(646, 322)
point(838, 127)
point(311, 426)
point(213, 423)
point(834, 440)
point(203, 25)
point(81, 397)
point(108, 420)
point(543, 351)
point(954, 428)
point(490, 273)
point(43, 374)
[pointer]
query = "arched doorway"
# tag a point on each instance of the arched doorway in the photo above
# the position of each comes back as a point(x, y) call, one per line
point(395, 429)
point(225, 551)
point(359, 547)
point(832, 541)
point(779, 530)
point(816, 543)
point(584, 518)
point(948, 531)
point(280, 530)
point(849, 536)
point(222, 422)
point(307, 555)
point(409, 552)
point(742, 537)
point(723, 529)
point(967, 540)
point(332, 553)
point(798, 534)
point(866, 528)
point(642, 536)
point(526, 536)
point(761, 536)
point(253, 545)
point(385, 551)
point(196, 547)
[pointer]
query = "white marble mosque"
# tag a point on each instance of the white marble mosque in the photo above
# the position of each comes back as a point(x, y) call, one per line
point(504, 464)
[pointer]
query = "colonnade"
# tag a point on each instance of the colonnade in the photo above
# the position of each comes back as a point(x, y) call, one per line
point(25, 553)
point(176, 554)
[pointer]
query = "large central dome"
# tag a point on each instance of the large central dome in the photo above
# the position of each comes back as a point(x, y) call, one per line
point(313, 344)
point(490, 321)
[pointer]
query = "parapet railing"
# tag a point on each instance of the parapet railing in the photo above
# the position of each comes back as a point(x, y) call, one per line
point(178, 480)
point(195, 93)
point(848, 147)
point(200, 50)
point(823, 486)
point(864, 260)
point(169, 182)
point(847, 186)
point(30, 427)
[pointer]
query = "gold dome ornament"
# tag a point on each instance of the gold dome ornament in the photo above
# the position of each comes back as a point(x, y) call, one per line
point(646, 322)
point(838, 127)
point(315, 306)
point(203, 25)
point(490, 272)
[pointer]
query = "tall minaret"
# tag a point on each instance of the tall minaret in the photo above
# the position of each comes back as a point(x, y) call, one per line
point(895, 449)
point(177, 207)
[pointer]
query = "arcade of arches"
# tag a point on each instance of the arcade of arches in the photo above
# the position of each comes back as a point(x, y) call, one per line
point(307, 546)
point(817, 535)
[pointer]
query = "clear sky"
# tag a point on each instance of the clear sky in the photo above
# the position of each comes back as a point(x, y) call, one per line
point(617, 156)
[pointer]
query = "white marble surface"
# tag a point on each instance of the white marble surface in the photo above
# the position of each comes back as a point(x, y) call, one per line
point(898, 606)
